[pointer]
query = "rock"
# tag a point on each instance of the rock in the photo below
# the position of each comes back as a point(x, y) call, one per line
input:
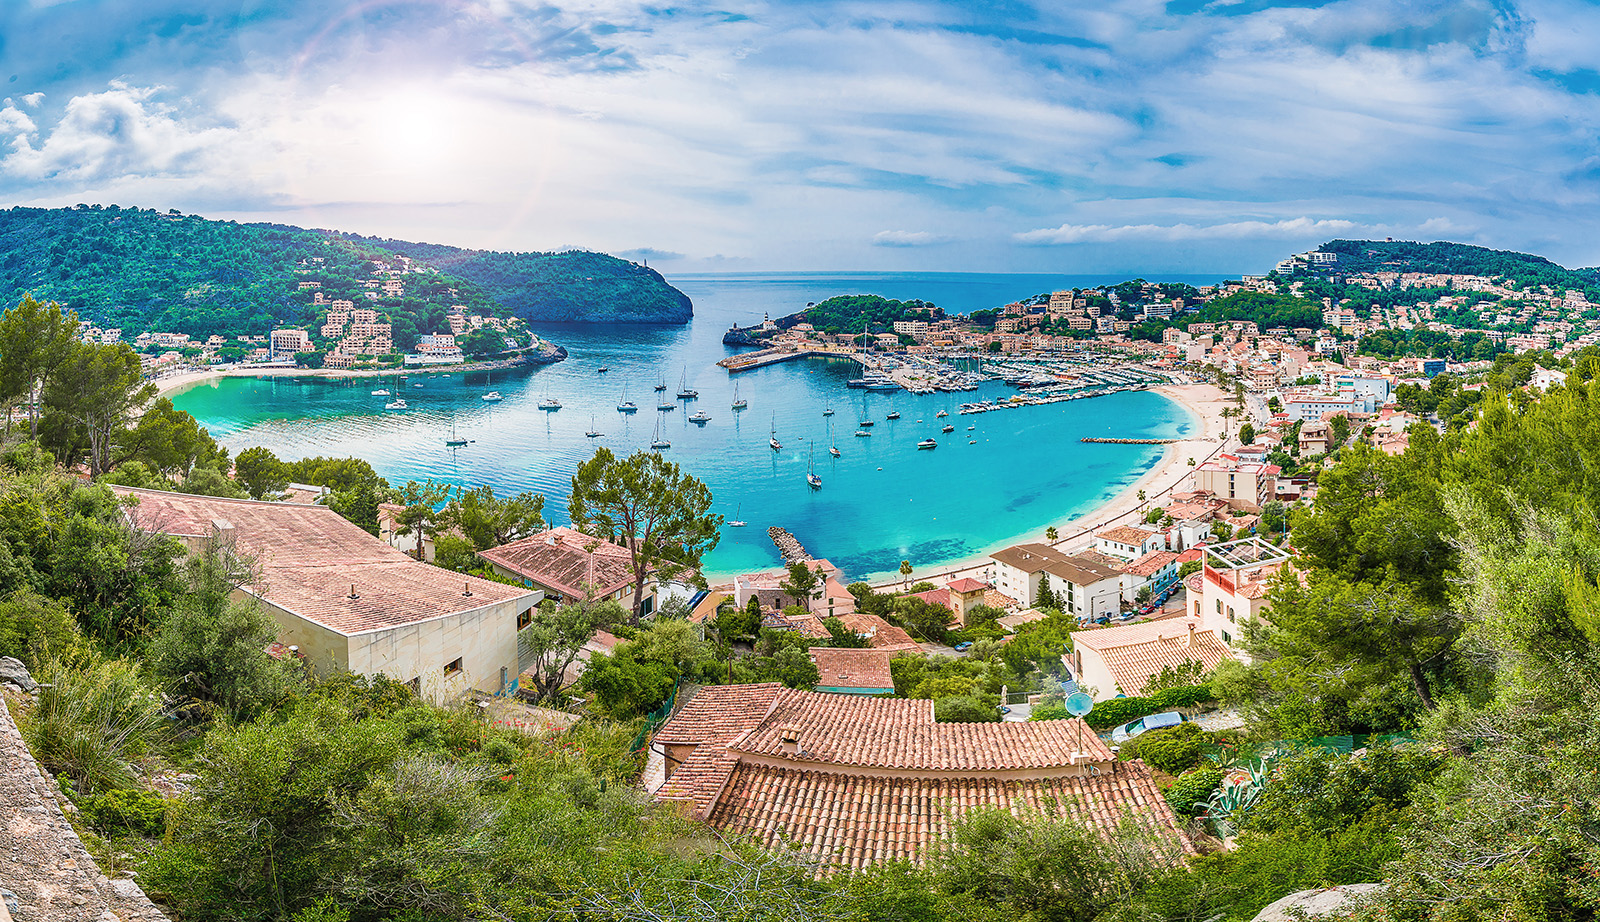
point(13, 906)
point(14, 673)
point(1314, 904)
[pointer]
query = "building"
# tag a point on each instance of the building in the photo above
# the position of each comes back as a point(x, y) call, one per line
point(1086, 589)
point(1314, 438)
point(570, 566)
point(849, 781)
point(344, 600)
point(1246, 485)
point(1236, 577)
point(1129, 542)
point(846, 671)
point(288, 342)
point(1123, 660)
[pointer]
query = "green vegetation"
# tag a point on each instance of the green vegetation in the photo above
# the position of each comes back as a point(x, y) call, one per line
point(848, 313)
point(138, 270)
point(1444, 257)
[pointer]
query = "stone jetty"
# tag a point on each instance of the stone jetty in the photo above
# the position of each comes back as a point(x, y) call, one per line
point(788, 545)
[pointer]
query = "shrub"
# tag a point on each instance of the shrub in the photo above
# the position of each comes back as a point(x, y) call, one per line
point(33, 627)
point(1051, 710)
point(1174, 750)
point(92, 721)
point(1117, 711)
point(965, 709)
point(1188, 795)
point(116, 814)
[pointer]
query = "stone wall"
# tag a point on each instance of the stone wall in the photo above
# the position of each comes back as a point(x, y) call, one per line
point(42, 860)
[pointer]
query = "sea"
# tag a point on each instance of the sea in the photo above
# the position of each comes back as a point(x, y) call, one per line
point(998, 478)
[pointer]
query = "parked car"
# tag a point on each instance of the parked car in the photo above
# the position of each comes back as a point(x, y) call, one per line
point(1133, 728)
point(963, 646)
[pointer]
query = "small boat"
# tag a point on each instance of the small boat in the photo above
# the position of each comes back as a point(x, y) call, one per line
point(970, 428)
point(948, 429)
point(491, 397)
point(812, 480)
point(685, 392)
point(381, 392)
point(773, 440)
point(866, 424)
point(661, 386)
point(666, 407)
point(603, 369)
point(927, 443)
point(972, 441)
point(416, 385)
point(656, 441)
point(454, 441)
point(627, 406)
point(739, 403)
point(834, 451)
point(737, 522)
point(593, 433)
point(700, 417)
point(862, 433)
point(828, 411)
point(395, 404)
point(893, 415)
point(549, 403)
point(940, 415)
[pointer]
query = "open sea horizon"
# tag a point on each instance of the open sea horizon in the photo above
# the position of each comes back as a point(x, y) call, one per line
point(881, 502)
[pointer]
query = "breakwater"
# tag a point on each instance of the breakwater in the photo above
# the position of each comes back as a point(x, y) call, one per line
point(1130, 441)
point(788, 545)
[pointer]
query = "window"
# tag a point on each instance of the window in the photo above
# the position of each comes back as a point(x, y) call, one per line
point(1226, 637)
point(1230, 613)
point(524, 618)
point(453, 667)
point(1219, 606)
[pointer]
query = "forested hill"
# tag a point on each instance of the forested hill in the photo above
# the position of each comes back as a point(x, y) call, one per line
point(1445, 257)
point(140, 270)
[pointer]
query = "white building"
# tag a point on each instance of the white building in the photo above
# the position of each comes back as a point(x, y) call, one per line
point(1086, 589)
point(1235, 580)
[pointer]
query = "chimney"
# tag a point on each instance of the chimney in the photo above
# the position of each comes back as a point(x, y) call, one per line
point(1191, 623)
point(353, 594)
point(789, 737)
point(223, 533)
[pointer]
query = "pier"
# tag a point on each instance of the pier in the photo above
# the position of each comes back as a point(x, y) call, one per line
point(788, 545)
point(749, 361)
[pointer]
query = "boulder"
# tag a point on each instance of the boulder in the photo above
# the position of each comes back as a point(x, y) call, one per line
point(13, 672)
point(1314, 904)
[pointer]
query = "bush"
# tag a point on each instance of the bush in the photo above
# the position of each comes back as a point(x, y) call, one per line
point(1188, 795)
point(92, 721)
point(118, 814)
point(1118, 711)
point(1174, 750)
point(33, 627)
point(964, 709)
point(1051, 710)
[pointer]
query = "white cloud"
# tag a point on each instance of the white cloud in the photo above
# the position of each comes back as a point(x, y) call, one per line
point(900, 238)
point(1235, 230)
point(124, 131)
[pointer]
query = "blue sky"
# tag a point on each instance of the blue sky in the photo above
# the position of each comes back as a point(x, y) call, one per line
point(1131, 135)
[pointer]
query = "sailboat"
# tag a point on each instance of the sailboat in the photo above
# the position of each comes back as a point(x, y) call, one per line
point(454, 441)
point(773, 441)
point(684, 391)
point(812, 479)
point(656, 441)
point(827, 411)
point(549, 403)
point(737, 522)
point(593, 433)
point(941, 414)
point(739, 403)
point(626, 405)
point(832, 448)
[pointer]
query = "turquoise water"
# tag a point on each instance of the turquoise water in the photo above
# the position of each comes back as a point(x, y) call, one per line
point(883, 501)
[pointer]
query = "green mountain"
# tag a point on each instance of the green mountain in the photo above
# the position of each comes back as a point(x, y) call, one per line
point(1445, 257)
point(140, 270)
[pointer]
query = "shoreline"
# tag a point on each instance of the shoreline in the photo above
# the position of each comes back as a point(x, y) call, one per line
point(1203, 403)
point(172, 385)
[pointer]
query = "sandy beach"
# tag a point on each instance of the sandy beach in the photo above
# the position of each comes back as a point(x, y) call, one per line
point(1204, 401)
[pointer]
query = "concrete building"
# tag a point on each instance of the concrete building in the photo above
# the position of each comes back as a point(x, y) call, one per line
point(567, 565)
point(345, 600)
point(1235, 579)
point(1246, 485)
point(1122, 660)
point(1086, 589)
point(288, 342)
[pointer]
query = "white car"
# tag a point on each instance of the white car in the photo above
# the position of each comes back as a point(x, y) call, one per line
point(1133, 728)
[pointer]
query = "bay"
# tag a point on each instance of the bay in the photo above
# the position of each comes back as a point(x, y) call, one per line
point(881, 502)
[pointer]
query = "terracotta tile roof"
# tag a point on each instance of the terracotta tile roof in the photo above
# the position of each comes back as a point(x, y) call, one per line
point(968, 584)
point(994, 598)
point(1134, 653)
point(309, 557)
point(843, 667)
point(900, 733)
point(1031, 558)
point(934, 597)
point(1017, 619)
point(568, 561)
point(879, 633)
point(1103, 560)
point(1150, 564)
point(1125, 534)
point(719, 713)
point(851, 821)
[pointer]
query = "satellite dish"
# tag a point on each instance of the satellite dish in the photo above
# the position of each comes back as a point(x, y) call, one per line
point(1079, 704)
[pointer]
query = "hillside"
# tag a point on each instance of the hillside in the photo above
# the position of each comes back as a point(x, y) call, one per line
point(1445, 257)
point(141, 270)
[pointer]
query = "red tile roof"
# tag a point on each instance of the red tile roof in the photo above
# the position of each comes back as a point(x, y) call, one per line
point(1150, 564)
point(309, 558)
point(879, 633)
point(719, 712)
point(967, 584)
point(842, 667)
point(1135, 653)
point(851, 821)
point(568, 561)
point(1125, 534)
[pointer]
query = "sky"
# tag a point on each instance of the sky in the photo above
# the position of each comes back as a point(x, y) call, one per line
point(738, 135)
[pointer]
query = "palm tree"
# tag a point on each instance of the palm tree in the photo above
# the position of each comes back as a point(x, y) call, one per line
point(1050, 534)
point(905, 570)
